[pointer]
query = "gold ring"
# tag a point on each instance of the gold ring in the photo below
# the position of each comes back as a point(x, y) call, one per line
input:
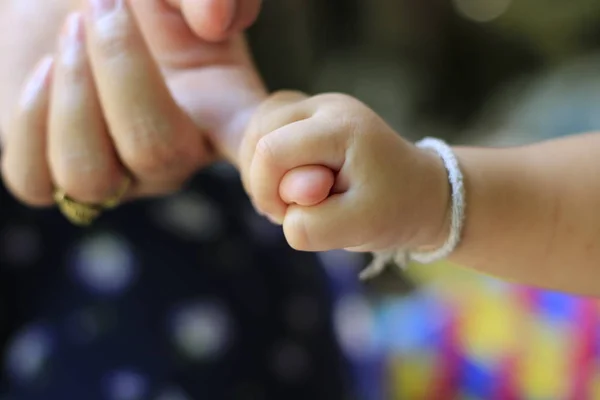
point(83, 214)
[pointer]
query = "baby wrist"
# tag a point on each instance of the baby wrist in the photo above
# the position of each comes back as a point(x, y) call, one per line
point(439, 246)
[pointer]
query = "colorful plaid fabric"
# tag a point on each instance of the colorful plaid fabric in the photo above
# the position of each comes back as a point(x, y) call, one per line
point(471, 337)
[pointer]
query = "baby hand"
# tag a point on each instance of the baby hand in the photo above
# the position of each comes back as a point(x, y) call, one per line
point(337, 176)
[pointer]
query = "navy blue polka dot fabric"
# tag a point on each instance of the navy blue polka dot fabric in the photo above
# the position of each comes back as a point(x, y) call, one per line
point(189, 297)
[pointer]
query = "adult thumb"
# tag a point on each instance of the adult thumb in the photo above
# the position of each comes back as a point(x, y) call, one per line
point(218, 20)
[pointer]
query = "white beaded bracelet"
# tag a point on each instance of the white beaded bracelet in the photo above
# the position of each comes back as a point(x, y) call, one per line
point(401, 257)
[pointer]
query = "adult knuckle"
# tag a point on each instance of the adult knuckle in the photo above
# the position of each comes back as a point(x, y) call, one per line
point(27, 191)
point(156, 159)
point(151, 148)
point(115, 38)
point(85, 179)
point(74, 76)
point(32, 197)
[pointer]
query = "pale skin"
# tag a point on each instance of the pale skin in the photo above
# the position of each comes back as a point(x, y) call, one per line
point(532, 212)
point(327, 167)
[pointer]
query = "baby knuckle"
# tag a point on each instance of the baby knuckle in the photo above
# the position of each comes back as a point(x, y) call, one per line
point(343, 111)
point(281, 109)
point(285, 96)
point(296, 233)
point(251, 139)
point(347, 123)
point(265, 151)
point(337, 100)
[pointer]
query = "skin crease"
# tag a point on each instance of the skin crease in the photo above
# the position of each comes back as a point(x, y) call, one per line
point(531, 211)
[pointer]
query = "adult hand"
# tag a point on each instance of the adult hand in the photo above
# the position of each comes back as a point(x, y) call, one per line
point(218, 20)
point(112, 104)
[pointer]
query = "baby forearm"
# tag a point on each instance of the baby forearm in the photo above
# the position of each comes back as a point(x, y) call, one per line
point(533, 213)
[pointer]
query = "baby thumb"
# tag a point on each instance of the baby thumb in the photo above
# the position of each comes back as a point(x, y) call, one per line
point(307, 186)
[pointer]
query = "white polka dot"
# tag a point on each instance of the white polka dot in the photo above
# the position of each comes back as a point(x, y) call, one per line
point(302, 313)
point(28, 354)
point(202, 331)
point(290, 362)
point(126, 384)
point(190, 216)
point(481, 10)
point(20, 245)
point(173, 393)
point(355, 326)
point(105, 265)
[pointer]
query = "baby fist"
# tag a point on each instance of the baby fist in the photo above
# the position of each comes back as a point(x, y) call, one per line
point(337, 176)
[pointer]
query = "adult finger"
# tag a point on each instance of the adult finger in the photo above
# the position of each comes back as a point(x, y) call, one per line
point(155, 138)
point(24, 162)
point(82, 158)
point(218, 20)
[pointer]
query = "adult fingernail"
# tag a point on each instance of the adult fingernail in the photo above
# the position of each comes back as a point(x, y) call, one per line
point(74, 27)
point(72, 37)
point(100, 8)
point(37, 81)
